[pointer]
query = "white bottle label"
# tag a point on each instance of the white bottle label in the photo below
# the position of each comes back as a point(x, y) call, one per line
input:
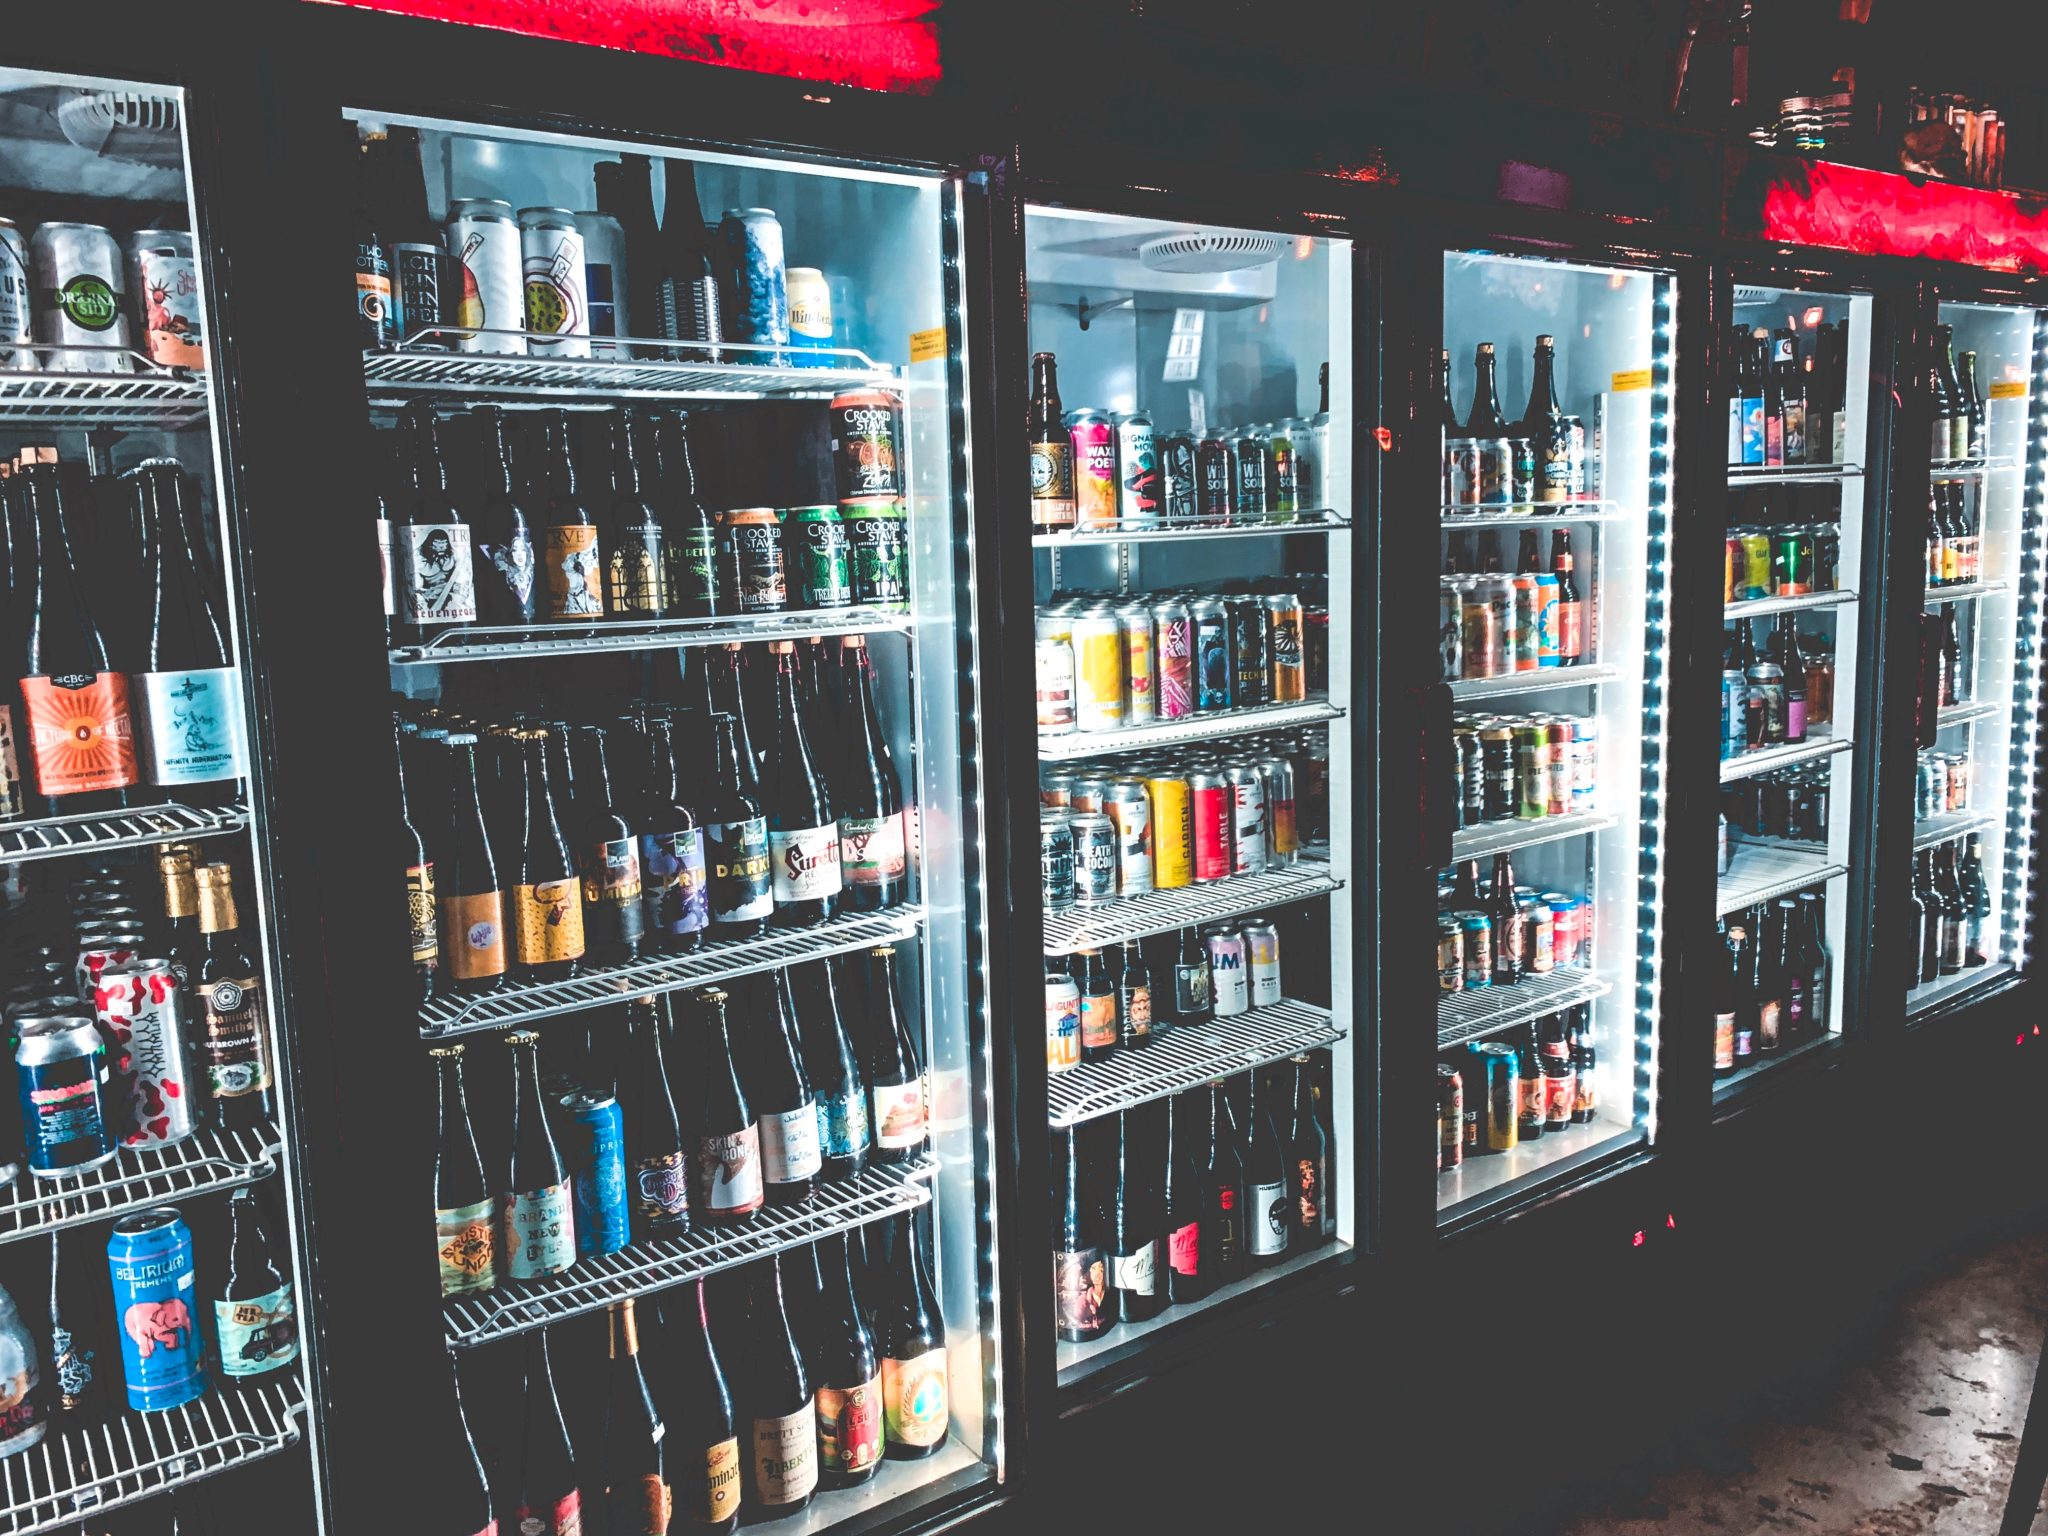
point(804, 863)
point(900, 1113)
point(789, 1145)
point(191, 726)
point(436, 585)
point(1138, 1272)
point(1267, 1218)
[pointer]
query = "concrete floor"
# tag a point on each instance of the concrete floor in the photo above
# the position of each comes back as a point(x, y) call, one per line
point(1916, 1439)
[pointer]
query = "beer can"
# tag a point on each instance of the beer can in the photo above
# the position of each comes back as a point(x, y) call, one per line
point(1792, 562)
point(1056, 860)
point(17, 304)
point(814, 541)
point(1563, 928)
point(1248, 819)
point(1308, 463)
point(810, 317)
point(1500, 591)
point(1095, 846)
point(1450, 1116)
point(1522, 477)
point(140, 1004)
point(753, 559)
point(1177, 480)
point(1584, 750)
point(1547, 639)
point(1230, 985)
point(1558, 768)
point(557, 297)
point(1931, 788)
point(1262, 961)
point(1248, 490)
point(1283, 485)
point(1528, 655)
point(1554, 472)
point(1539, 933)
point(878, 551)
point(1734, 713)
point(1098, 670)
point(152, 1264)
point(163, 284)
point(1087, 792)
point(1450, 953)
point(1756, 563)
point(1173, 832)
point(1213, 803)
point(1062, 1023)
point(1581, 478)
point(1532, 771)
point(1137, 455)
point(1502, 1105)
point(1287, 667)
point(1496, 470)
point(1173, 629)
point(1215, 479)
point(1498, 771)
point(101, 946)
point(594, 1147)
point(420, 289)
point(1096, 490)
point(79, 300)
point(1283, 830)
point(1056, 790)
point(1141, 692)
point(867, 431)
point(70, 1120)
point(1053, 663)
point(1215, 672)
point(1480, 642)
point(1471, 761)
point(1128, 805)
point(1959, 782)
point(1248, 673)
point(760, 282)
point(1462, 468)
point(1450, 628)
point(1478, 949)
point(487, 251)
point(604, 280)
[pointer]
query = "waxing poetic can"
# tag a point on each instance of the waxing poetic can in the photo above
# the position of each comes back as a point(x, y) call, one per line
point(1173, 632)
point(1096, 493)
point(139, 1003)
point(557, 287)
point(156, 1296)
point(1056, 860)
point(1213, 811)
point(68, 1114)
point(1095, 841)
point(488, 274)
point(866, 431)
point(594, 1146)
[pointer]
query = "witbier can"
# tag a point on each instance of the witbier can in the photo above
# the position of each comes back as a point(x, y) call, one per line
point(151, 1261)
point(1232, 986)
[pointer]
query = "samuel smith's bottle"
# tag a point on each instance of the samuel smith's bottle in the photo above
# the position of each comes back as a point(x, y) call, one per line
point(1052, 451)
point(255, 1322)
point(537, 1235)
point(234, 1030)
point(465, 1225)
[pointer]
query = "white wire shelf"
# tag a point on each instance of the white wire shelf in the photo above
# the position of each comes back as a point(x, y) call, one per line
point(1945, 988)
point(1933, 831)
point(141, 395)
point(1531, 513)
point(521, 1002)
point(1964, 591)
point(1747, 765)
point(1762, 607)
point(1187, 1056)
point(1766, 871)
point(138, 1178)
point(1962, 714)
point(1542, 680)
point(84, 1472)
point(1138, 917)
point(1490, 837)
point(1741, 475)
point(52, 837)
point(1214, 726)
point(599, 1280)
point(1320, 520)
point(664, 370)
point(1474, 1014)
point(507, 641)
point(1967, 469)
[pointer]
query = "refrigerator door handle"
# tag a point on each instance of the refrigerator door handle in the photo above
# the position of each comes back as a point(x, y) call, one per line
point(1439, 776)
point(1928, 716)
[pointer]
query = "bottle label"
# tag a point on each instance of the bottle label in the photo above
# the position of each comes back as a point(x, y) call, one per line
point(1752, 429)
point(698, 566)
point(435, 583)
point(421, 914)
point(643, 1508)
point(899, 1114)
point(1080, 1279)
point(233, 1043)
point(871, 849)
point(547, 922)
point(564, 1517)
point(1136, 1005)
point(1191, 990)
point(574, 570)
point(467, 1243)
point(742, 890)
point(1770, 1024)
point(786, 1456)
point(1184, 1249)
point(850, 1426)
point(191, 725)
point(1269, 1217)
point(373, 287)
point(1098, 1020)
point(511, 564)
point(385, 568)
point(539, 1232)
point(80, 732)
point(257, 1334)
point(789, 1145)
point(473, 934)
point(1724, 1041)
point(915, 1410)
point(672, 886)
point(1795, 431)
point(639, 579)
point(611, 878)
point(1138, 1272)
point(728, 1170)
point(805, 861)
point(11, 802)
point(1229, 1232)
point(1571, 635)
point(661, 1188)
point(843, 1123)
point(721, 1482)
point(1308, 1184)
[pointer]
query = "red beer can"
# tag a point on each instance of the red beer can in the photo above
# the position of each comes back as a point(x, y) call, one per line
point(1214, 809)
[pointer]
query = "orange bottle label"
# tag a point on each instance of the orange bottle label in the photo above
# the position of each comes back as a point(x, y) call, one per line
point(81, 735)
point(473, 934)
point(575, 572)
point(547, 922)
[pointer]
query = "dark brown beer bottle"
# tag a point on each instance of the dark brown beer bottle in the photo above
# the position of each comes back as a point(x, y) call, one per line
point(637, 1497)
point(549, 1501)
point(782, 1413)
point(1268, 1205)
point(465, 1215)
point(1187, 1274)
point(256, 1321)
point(1086, 1309)
point(725, 1164)
point(538, 1237)
point(834, 1069)
point(507, 567)
point(911, 1335)
point(1224, 1237)
point(436, 577)
point(466, 885)
point(1485, 419)
point(655, 1150)
point(1052, 450)
point(705, 1463)
point(608, 860)
point(188, 693)
point(691, 531)
point(803, 831)
point(874, 858)
point(784, 1104)
point(638, 569)
point(1308, 1160)
point(234, 1022)
point(459, 1501)
point(849, 1377)
point(571, 559)
point(1136, 1224)
point(895, 1072)
point(423, 917)
point(547, 901)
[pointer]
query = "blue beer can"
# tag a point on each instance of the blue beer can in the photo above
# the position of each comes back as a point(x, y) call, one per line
point(68, 1112)
point(753, 245)
point(595, 1145)
point(156, 1293)
point(1734, 706)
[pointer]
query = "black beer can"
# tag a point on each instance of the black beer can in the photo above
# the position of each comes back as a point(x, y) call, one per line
point(419, 280)
point(1177, 479)
point(1215, 479)
point(1249, 680)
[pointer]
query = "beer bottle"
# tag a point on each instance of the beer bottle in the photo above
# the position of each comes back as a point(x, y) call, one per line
point(637, 1496)
point(639, 564)
point(80, 734)
point(436, 581)
point(730, 692)
point(423, 917)
point(1099, 1032)
point(376, 315)
point(849, 1386)
point(465, 1221)
point(1308, 1154)
point(1792, 390)
point(725, 1164)
point(234, 1023)
point(1954, 911)
point(791, 1158)
point(1956, 445)
point(1136, 1225)
point(538, 1233)
point(1976, 895)
point(654, 1132)
point(572, 563)
point(1224, 1237)
point(549, 1503)
point(1134, 998)
point(675, 899)
point(705, 1469)
point(184, 945)
point(1509, 935)
point(803, 833)
point(1571, 621)
point(466, 883)
point(608, 859)
point(1794, 664)
point(895, 1076)
point(1953, 688)
point(834, 1070)
point(1080, 1260)
point(547, 902)
point(689, 282)
point(1745, 998)
point(1268, 1204)
point(1531, 1118)
point(1529, 558)
point(625, 190)
point(387, 475)
point(911, 1336)
point(1542, 424)
point(1194, 993)
point(506, 564)
point(1773, 396)
point(79, 1402)
point(1927, 907)
point(782, 1414)
point(1970, 399)
point(1585, 1058)
point(1559, 1081)
point(189, 714)
point(1187, 1273)
point(1447, 413)
point(256, 1324)
point(736, 853)
point(690, 531)
point(1485, 419)
point(460, 1499)
point(873, 857)
point(1052, 450)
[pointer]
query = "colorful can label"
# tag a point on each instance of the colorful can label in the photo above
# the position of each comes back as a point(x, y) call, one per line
point(818, 546)
point(595, 1141)
point(865, 433)
point(1098, 1021)
point(1080, 1284)
point(547, 923)
point(810, 316)
point(915, 1410)
point(257, 1334)
point(1229, 975)
point(538, 1232)
point(737, 856)
point(140, 1003)
point(151, 1261)
point(1138, 484)
point(751, 539)
point(191, 726)
point(850, 1426)
point(557, 287)
point(1062, 1023)
point(466, 1242)
point(81, 734)
point(1096, 492)
point(879, 548)
point(12, 803)
point(68, 1111)
point(167, 286)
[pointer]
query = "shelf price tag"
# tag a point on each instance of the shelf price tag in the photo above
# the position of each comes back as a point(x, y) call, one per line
point(928, 346)
point(1633, 378)
point(2008, 389)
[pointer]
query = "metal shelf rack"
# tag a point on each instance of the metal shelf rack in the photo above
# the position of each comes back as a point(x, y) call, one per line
point(1543, 680)
point(1962, 714)
point(140, 1177)
point(1964, 591)
point(1169, 733)
point(1748, 765)
point(1471, 1015)
point(1491, 837)
point(1933, 831)
point(1139, 917)
point(1527, 514)
point(1804, 602)
point(509, 641)
point(1321, 520)
point(53, 837)
point(141, 396)
point(1188, 1056)
point(1766, 871)
point(1741, 475)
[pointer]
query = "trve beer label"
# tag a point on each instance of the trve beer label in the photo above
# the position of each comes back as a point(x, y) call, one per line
point(467, 1244)
point(257, 1334)
point(422, 916)
point(232, 1040)
point(736, 853)
point(473, 934)
point(871, 849)
point(562, 1518)
point(574, 570)
point(721, 1491)
point(805, 863)
point(191, 726)
point(914, 1403)
point(435, 582)
point(786, 1456)
point(727, 1172)
point(639, 576)
point(900, 1113)
point(789, 1145)
point(547, 922)
point(850, 1426)
point(81, 735)
point(673, 892)
point(843, 1123)
point(511, 564)
point(539, 1232)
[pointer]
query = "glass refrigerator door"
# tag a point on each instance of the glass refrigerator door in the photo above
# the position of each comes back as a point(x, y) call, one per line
point(1975, 791)
point(1191, 511)
point(1797, 397)
point(1554, 643)
point(825, 433)
point(147, 1055)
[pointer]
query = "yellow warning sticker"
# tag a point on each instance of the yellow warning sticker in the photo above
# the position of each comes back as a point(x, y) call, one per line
point(2009, 389)
point(927, 345)
point(1634, 378)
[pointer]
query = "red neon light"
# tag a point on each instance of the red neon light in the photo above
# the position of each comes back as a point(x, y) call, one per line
point(876, 45)
point(1881, 213)
point(1636, 1241)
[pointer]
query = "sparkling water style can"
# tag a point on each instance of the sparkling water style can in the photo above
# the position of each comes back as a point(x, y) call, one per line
point(17, 308)
point(557, 285)
point(753, 244)
point(1262, 962)
point(68, 1113)
point(810, 318)
point(1229, 978)
point(594, 1147)
point(151, 1261)
point(163, 284)
point(486, 251)
point(139, 1003)
point(80, 299)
